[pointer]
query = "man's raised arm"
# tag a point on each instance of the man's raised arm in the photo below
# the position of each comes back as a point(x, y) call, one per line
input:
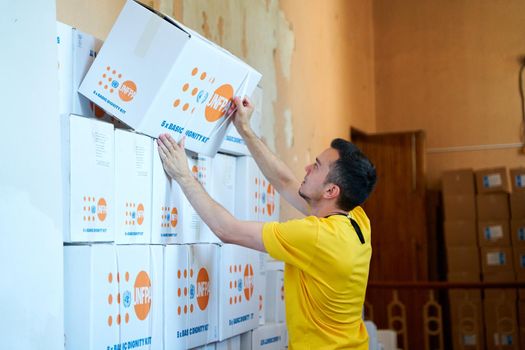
point(274, 169)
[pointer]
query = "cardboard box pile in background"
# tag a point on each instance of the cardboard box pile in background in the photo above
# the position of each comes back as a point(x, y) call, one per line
point(460, 226)
point(499, 240)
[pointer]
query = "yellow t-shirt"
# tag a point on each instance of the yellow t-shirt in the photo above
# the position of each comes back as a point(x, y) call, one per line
point(325, 277)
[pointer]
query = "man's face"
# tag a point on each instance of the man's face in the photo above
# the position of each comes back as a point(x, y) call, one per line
point(312, 187)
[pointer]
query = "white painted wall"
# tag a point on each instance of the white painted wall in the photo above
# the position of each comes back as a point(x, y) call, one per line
point(31, 255)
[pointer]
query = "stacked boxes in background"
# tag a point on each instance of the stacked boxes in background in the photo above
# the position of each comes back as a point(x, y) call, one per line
point(501, 323)
point(493, 225)
point(499, 232)
point(460, 226)
point(517, 226)
point(141, 268)
point(517, 222)
point(463, 260)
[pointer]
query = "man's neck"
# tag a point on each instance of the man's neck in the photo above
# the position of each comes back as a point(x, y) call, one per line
point(323, 209)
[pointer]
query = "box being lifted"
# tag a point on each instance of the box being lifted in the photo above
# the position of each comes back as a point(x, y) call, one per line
point(158, 76)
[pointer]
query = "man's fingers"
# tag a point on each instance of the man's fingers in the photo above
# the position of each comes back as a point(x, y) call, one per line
point(163, 151)
point(182, 142)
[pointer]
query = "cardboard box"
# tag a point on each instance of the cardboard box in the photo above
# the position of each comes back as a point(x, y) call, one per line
point(65, 68)
point(517, 205)
point(274, 306)
point(238, 302)
point(76, 52)
point(247, 193)
point(493, 233)
point(113, 296)
point(89, 174)
point(466, 318)
point(519, 263)
point(459, 182)
point(141, 277)
point(463, 277)
point(517, 180)
point(133, 187)
point(176, 329)
point(460, 233)
point(158, 76)
point(190, 220)
point(501, 322)
point(463, 259)
point(220, 184)
point(271, 336)
point(174, 220)
point(191, 295)
point(91, 294)
point(459, 207)
point(496, 264)
point(233, 343)
point(493, 206)
point(233, 142)
point(517, 232)
point(203, 294)
point(508, 294)
point(166, 203)
point(492, 180)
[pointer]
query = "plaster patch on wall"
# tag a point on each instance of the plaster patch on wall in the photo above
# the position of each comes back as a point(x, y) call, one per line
point(286, 43)
point(252, 30)
point(288, 128)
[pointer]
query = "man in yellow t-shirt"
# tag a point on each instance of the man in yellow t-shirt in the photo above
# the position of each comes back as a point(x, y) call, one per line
point(326, 254)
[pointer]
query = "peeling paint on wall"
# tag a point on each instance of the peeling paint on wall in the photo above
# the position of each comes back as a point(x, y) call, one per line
point(252, 30)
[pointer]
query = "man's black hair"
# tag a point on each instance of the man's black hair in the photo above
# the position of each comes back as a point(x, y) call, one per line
point(353, 172)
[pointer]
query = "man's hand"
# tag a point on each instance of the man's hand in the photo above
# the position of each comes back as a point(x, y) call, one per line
point(173, 157)
point(242, 114)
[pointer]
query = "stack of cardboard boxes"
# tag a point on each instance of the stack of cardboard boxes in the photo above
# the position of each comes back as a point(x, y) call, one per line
point(480, 231)
point(517, 235)
point(459, 197)
point(501, 324)
point(141, 269)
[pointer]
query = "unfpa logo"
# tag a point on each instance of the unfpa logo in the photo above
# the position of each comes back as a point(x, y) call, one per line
point(248, 281)
point(134, 213)
point(127, 91)
point(203, 289)
point(219, 103)
point(94, 209)
point(110, 82)
point(169, 217)
point(267, 199)
point(142, 295)
point(195, 92)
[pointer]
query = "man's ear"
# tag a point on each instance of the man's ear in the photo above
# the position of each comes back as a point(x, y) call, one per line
point(331, 191)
